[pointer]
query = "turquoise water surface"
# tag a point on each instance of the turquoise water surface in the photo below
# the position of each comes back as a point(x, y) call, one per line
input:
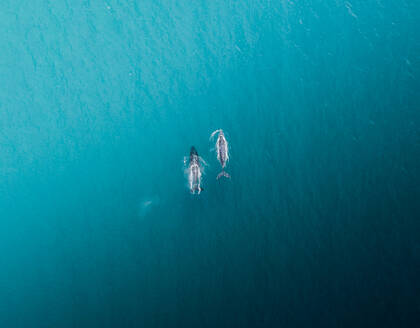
point(319, 224)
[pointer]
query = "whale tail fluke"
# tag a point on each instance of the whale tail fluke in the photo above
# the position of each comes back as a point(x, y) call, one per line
point(223, 174)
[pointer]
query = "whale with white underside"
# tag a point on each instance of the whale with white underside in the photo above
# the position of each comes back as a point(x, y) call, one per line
point(194, 171)
point(222, 152)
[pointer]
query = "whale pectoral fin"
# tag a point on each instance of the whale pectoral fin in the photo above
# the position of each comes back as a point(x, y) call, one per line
point(214, 132)
point(203, 161)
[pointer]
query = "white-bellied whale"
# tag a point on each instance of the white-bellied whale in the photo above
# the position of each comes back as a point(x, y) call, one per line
point(222, 152)
point(194, 171)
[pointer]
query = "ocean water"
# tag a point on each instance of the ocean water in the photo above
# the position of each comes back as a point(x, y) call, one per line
point(319, 225)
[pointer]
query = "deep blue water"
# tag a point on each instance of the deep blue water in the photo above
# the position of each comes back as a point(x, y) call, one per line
point(101, 100)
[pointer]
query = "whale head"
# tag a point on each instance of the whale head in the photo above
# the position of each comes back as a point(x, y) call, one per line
point(193, 151)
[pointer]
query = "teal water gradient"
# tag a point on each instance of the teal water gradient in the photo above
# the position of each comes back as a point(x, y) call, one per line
point(319, 225)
